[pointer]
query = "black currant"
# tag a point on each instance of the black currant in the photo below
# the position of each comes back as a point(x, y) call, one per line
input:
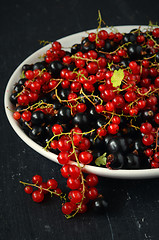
point(38, 117)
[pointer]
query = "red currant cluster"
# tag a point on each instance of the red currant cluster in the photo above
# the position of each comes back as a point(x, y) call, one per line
point(43, 188)
point(82, 190)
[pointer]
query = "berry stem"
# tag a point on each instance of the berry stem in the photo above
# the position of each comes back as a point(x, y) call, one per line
point(46, 189)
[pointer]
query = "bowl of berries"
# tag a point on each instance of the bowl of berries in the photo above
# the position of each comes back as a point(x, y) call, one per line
point(91, 99)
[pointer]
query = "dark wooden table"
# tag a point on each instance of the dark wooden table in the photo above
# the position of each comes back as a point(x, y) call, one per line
point(133, 204)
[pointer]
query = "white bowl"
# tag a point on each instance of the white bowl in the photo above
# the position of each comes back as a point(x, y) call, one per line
point(104, 172)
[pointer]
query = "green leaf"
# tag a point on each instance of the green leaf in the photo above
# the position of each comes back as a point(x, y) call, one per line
point(117, 77)
point(101, 160)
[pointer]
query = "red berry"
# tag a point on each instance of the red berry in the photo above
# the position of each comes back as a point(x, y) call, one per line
point(67, 59)
point(37, 179)
point(133, 111)
point(155, 32)
point(154, 164)
point(73, 183)
point(56, 45)
point(99, 108)
point(92, 67)
point(92, 193)
point(130, 96)
point(101, 132)
point(63, 157)
point(76, 86)
point(46, 76)
point(75, 196)
point(113, 128)
point(156, 157)
point(81, 107)
point(67, 208)
point(54, 144)
point(141, 104)
point(57, 191)
point(149, 152)
point(92, 54)
point(77, 139)
point(74, 171)
point(92, 37)
point(84, 144)
point(100, 43)
point(37, 196)
point(16, 115)
point(65, 171)
point(140, 39)
point(133, 65)
point(103, 34)
point(29, 75)
point(28, 189)
point(57, 129)
point(85, 157)
point(116, 119)
point(52, 184)
point(118, 101)
point(146, 128)
point(52, 84)
point(109, 107)
point(148, 139)
point(64, 144)
point(92, 180)
point(26, 116)
point(23, 100)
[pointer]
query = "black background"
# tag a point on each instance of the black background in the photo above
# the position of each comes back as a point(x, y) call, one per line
point(133, 204)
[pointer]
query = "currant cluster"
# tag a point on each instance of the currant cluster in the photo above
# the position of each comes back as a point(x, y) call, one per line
point(75, 104)
point(82, 191)
point(43, 188)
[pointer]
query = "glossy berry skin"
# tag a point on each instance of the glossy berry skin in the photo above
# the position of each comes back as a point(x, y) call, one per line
point(75, 196)
point(84, 144)
point(92, 67)
point(85, 157)
point(113, 128)
point(65, 170)
point(16, 115)
point(74, 171)
point(63, 157)
point(92, 180)
point(57, 129)
point(67, 208)
point(29, 74)
point(23, 100)
point(148, 139)
point(92, 193)
point(64, 145)
point(100, 205)
point(156, 157)
point(52, 184)
point(37, 196)
point(73, 183)
point(26, 116)
point(146, 128)
point(81, 107)
point(37, 179)
point(28, 189)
